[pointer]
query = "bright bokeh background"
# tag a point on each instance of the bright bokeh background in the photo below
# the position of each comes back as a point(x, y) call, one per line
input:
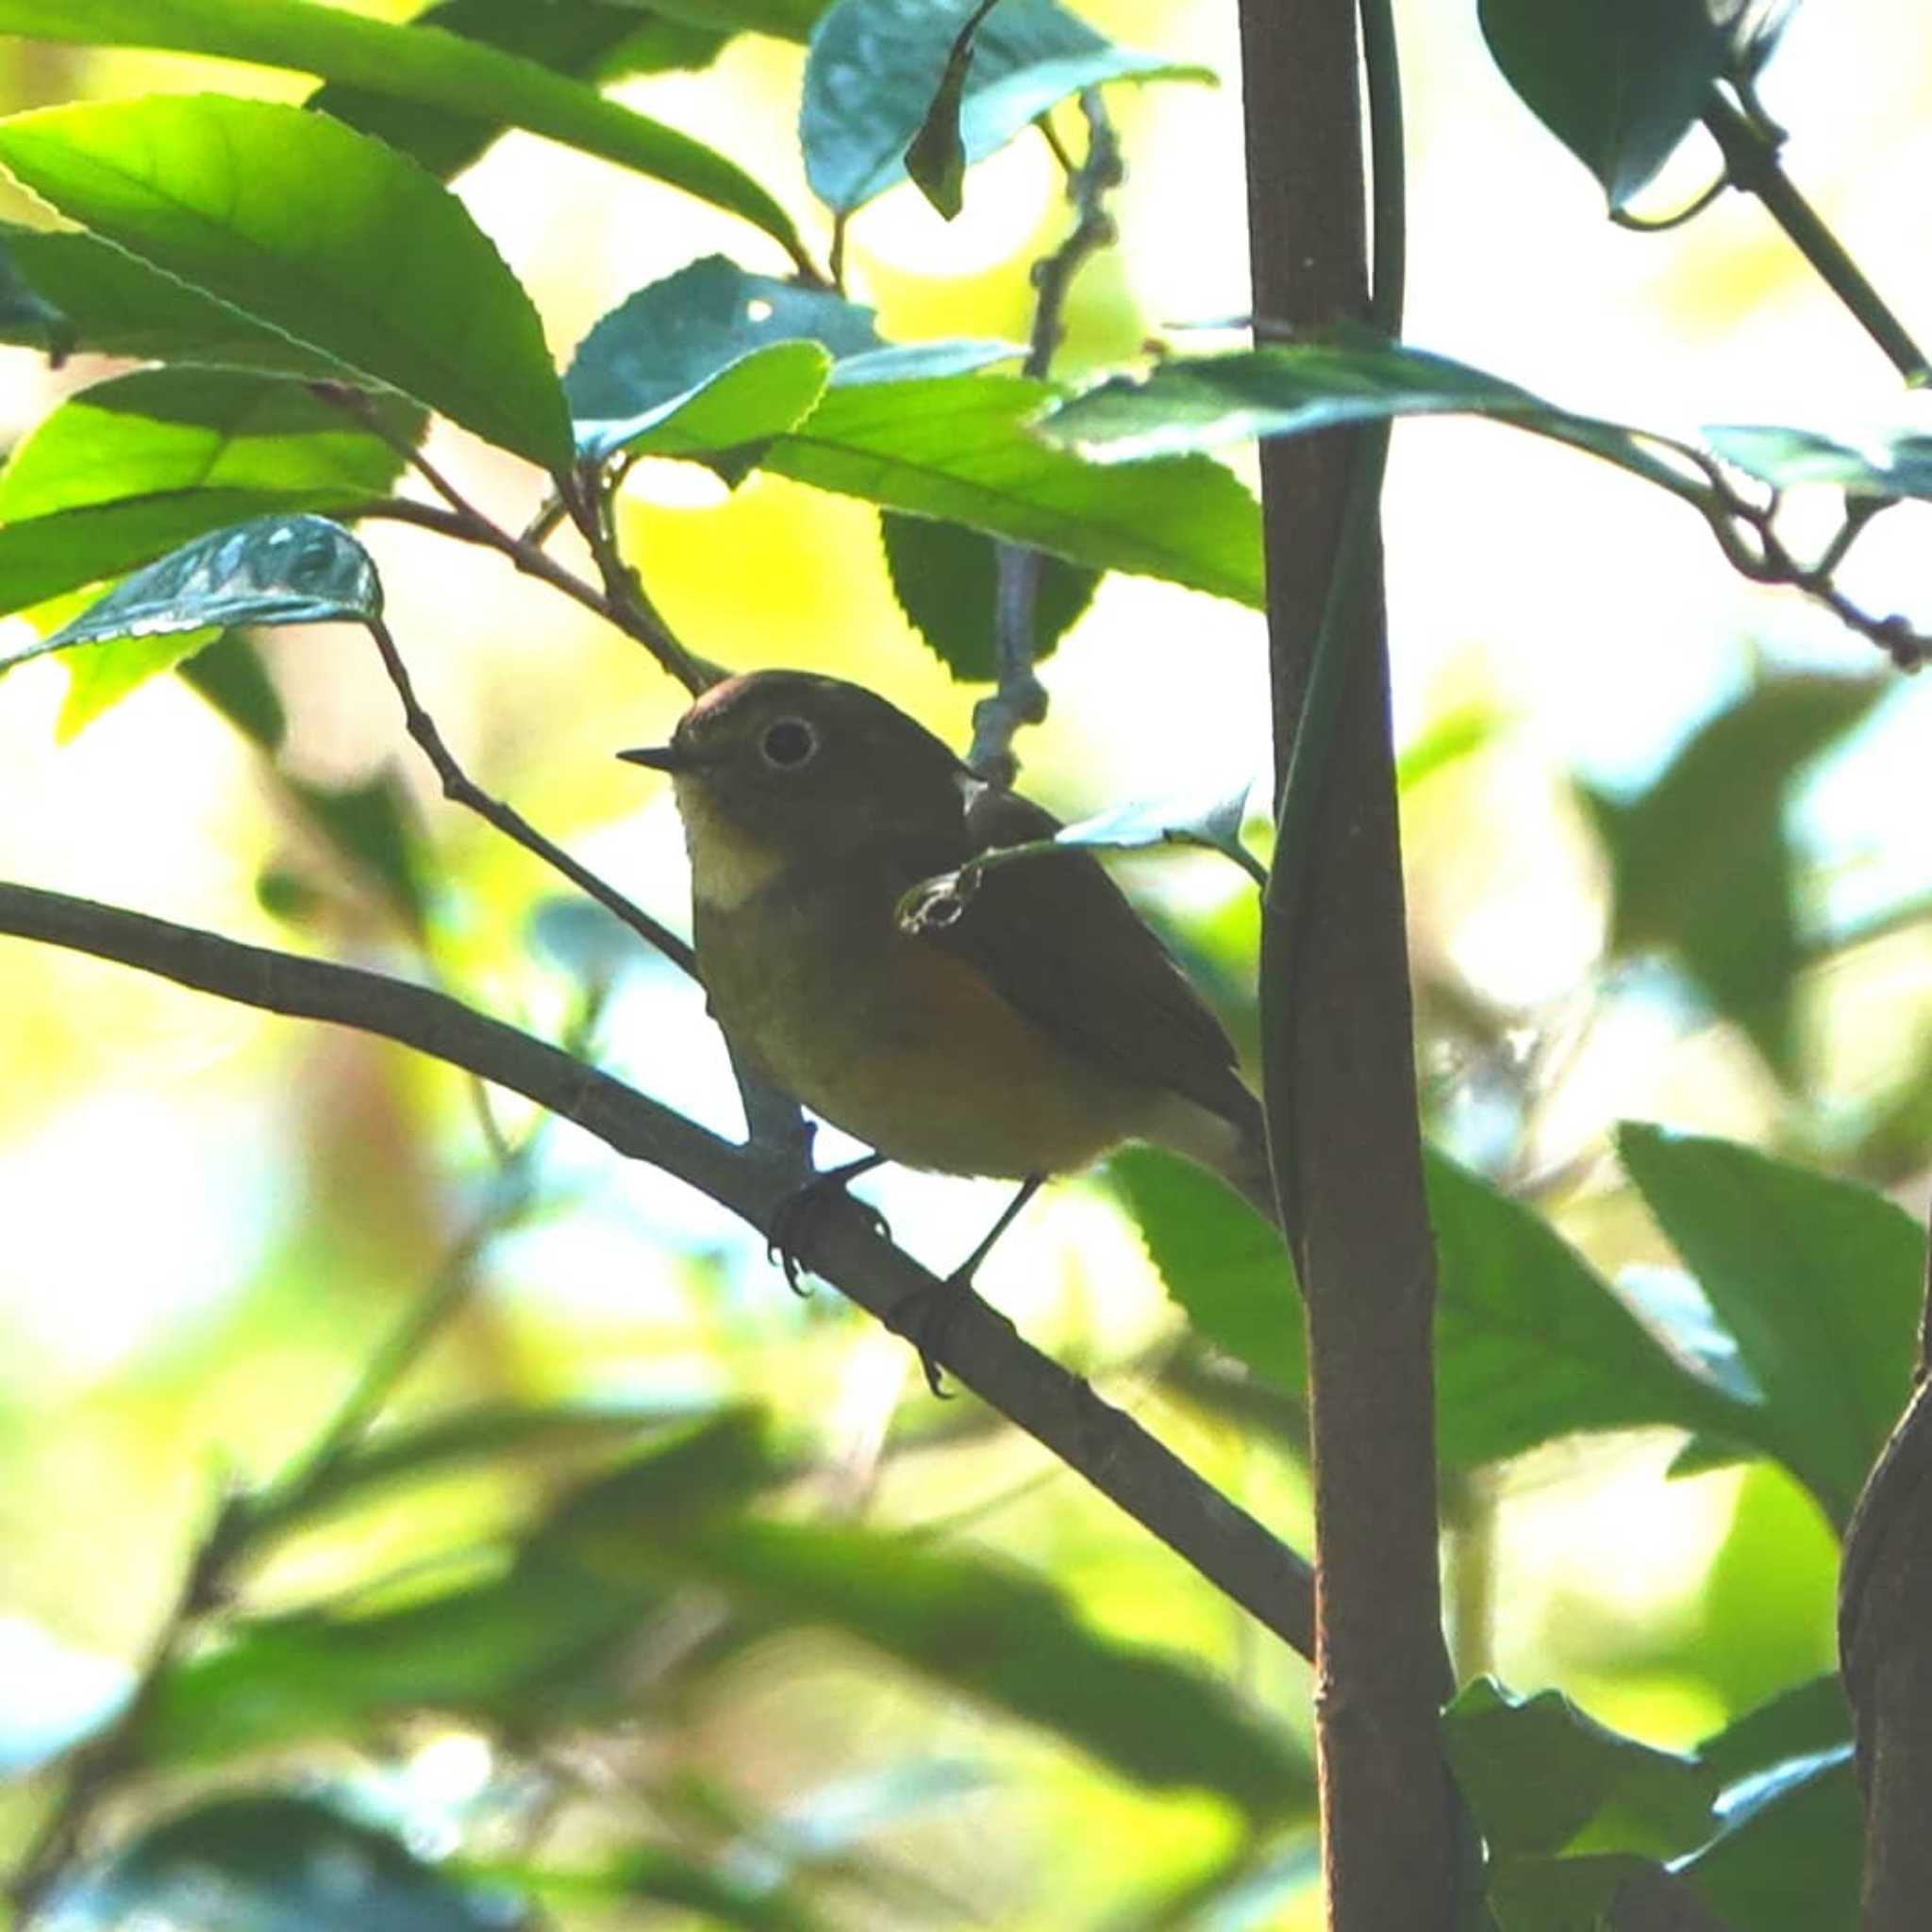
point(208, 1214)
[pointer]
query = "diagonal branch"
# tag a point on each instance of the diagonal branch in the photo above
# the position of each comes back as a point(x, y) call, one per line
point(1059, 1410)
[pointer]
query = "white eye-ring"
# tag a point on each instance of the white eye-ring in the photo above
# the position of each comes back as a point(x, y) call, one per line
point(787, 744)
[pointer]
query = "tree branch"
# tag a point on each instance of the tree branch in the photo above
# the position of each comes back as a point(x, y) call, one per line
point(1059, 1410)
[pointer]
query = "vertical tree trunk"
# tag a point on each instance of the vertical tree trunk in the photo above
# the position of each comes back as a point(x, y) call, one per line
point(1338, 1059)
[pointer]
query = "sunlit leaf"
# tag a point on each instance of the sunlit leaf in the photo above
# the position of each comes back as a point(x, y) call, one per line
point(100, 675)
point(582, 39)
point(122, 472)
point(1541, 1775)
point(1344, 376)
point(275, 210)
point(875, 65)
point(946, 579)
point(1702, 865)
point(959, 448)
point(428, 67)
point(1618, 82)
point(1803, 1269)
point(275, 1864)
point(114, 304)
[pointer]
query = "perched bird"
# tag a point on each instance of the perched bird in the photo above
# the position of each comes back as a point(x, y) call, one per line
point(1022, 1029)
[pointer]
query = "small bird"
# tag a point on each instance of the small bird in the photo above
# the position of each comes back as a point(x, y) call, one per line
point(1033, 1025)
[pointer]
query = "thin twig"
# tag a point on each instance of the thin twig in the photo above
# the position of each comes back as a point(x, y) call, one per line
point(1750, 150)
point(1018, 696)
point(622, 604)
point(459, 788)
point(588, 498)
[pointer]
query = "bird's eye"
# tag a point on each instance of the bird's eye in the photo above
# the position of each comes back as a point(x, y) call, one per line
point(787, 744)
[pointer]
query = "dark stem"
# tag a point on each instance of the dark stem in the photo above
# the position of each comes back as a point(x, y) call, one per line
point(1338, 1074)
point(459, 788)
point(1750, 150)
point(1018, 697)
point(979, 1348)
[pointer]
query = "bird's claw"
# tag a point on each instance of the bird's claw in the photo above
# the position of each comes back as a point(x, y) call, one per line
point(792, 1217)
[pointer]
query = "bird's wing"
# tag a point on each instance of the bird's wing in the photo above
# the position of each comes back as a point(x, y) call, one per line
point(1060, 942)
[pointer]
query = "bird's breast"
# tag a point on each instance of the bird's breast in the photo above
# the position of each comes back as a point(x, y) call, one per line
point(901, 1044)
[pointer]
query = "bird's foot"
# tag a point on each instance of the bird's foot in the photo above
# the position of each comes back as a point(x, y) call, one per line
point(925, 1315)
point(792, 1217)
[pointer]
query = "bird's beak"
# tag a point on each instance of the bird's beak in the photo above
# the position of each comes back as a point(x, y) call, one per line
point(665, 758)
point(660, 757)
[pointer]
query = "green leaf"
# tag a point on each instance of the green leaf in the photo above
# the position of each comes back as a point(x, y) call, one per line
point(1456, 735)
point(275, 570)
point(161, 430)
point(1593, 1893)
point(1882, 464)
point(428, 67)
point(1213, 822)
point(99, 676)
point(1810, 1718)
point(1701, 862)
point(1789, 1855)
point(278, 213)
point(1531, 1343)
point(957, 448)
point(1541, 1774)
point(934, 157)
point(532, 1640)
point(276, 1865)
point(743, 343)
point(1348, 375)
point(582, 39)
point(1817, 1278)
point(26, 316)
point(946, 579)
point(1618, 82)
point(1225, 1265)
point(127, 470)
point(875, 66)
point(373, 826)
point(114, 304)
point(415, 1452)
point(229, 673)
point(994, 1633)
point(783, 20)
